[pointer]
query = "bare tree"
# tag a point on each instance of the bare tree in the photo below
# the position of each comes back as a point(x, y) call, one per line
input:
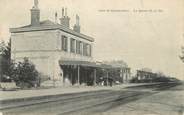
point(182, 53)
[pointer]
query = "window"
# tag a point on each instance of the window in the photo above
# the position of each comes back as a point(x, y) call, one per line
point(64, 41)
point(72, 45)
point(88, 50)
point(78, 47)
point(81, 47)
point(85, 49)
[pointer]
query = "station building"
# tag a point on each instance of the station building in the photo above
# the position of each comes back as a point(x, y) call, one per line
point(62, 55)
point(53, 47)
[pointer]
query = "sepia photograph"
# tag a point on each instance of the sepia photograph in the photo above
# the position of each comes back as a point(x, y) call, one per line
point(91, 57)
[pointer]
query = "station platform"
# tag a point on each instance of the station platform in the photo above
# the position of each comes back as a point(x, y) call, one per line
point(18, 94)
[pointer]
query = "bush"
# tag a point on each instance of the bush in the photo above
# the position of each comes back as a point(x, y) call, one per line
point(25, 74)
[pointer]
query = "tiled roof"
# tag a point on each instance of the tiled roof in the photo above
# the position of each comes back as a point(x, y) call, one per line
point(49, 25)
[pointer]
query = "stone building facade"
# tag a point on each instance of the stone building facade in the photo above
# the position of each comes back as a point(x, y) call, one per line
point(47, 43)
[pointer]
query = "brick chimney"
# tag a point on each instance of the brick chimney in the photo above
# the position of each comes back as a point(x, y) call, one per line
point(65, 20)
point(77, 25)
point(35, 14)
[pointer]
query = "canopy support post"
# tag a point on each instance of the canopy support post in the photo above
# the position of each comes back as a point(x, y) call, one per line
point(107, 78)
point(94, 77)
point(78, 74)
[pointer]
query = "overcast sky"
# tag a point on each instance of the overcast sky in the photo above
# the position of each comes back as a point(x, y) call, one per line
point(142, 39)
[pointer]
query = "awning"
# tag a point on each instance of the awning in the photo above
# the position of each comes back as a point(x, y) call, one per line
point(86, 63)
point(78, 63)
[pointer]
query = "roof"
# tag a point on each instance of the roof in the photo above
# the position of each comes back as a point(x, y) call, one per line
point(117, 63)
point(81, 63)
point(142, 71)
point(86, 63)
point(49, 25)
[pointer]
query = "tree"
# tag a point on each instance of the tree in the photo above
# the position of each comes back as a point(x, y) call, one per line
point(182, 55)
point(5, 52)
point(25, 74)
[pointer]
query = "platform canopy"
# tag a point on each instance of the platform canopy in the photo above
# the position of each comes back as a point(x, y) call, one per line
point(78, 63)
point(84, 63)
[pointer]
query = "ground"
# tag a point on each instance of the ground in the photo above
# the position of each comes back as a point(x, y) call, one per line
point(149, 100)
point(169, 102)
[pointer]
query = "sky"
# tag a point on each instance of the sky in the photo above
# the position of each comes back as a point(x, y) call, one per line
point(143, 33)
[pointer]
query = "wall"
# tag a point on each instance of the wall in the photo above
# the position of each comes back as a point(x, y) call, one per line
point(43, 48)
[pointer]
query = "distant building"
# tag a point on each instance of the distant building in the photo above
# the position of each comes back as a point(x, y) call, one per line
point(56, 50)
point(145, 75)
point(124, 72)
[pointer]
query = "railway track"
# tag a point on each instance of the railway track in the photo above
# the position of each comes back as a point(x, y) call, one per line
point(16, 103)
point(156, 87)
point(90, 101)
point(124, 99)
point(75, 104)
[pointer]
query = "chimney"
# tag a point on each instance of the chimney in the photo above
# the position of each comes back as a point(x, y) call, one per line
point(35, 14)
point(77, 25)
point(65, 20)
